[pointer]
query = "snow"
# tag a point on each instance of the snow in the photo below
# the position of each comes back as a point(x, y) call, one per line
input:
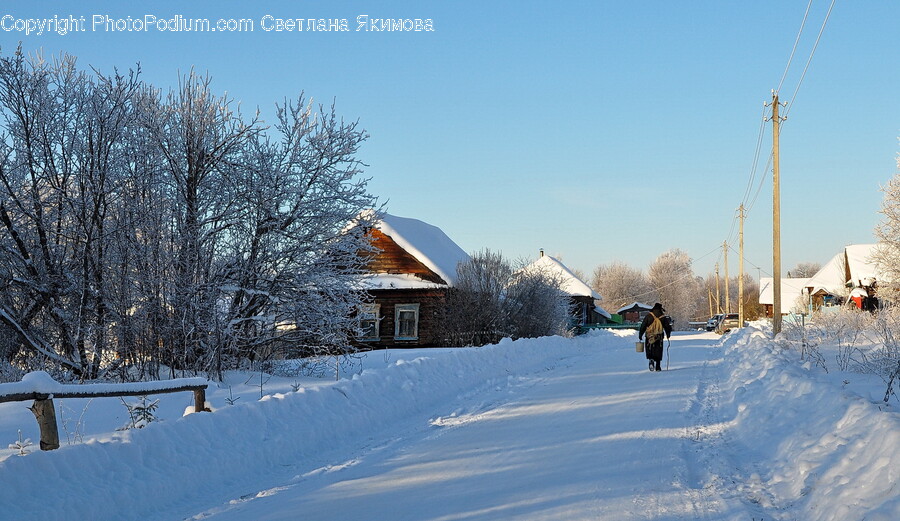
point(42, 383)
point(862, 267)
point(396, 281)
point(427, 243)
point(855, 258)
point(791, 292)
point(551, 428)
point(640, 305)
point(570, 284)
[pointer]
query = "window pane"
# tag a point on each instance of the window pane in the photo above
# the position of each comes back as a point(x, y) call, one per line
point(369, 329)
point(407, 323)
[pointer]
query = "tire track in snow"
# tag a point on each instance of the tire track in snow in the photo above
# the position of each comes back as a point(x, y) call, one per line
point(713, 473)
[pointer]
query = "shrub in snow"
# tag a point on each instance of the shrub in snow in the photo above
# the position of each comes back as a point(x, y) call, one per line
point(862, 342)
point(74, 429)
point(141, 413)
point(21, 445)
point(493, 300)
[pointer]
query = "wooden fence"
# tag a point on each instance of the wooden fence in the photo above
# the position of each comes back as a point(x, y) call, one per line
point(44, 389)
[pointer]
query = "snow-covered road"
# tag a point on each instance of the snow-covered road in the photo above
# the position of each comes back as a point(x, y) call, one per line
point(597, 436)
point(535, 429)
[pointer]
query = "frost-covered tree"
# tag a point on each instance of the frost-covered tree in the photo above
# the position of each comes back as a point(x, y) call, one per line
point(492, 300)
point(537, 306)
point(204, 144)
point(620, 285)
point(887, 255)
point(671, 276)
point(141, 230)
point(804, 270)
point(61, 164)
point(292, 262)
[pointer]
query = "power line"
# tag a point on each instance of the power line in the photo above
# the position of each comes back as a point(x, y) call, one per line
point(809, 60)
point(794, 49)
point(759, 139)
point(762, 181)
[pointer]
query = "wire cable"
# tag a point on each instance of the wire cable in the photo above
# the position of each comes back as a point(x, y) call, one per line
point(759, 139)
point(809, 60)
point(794, 49)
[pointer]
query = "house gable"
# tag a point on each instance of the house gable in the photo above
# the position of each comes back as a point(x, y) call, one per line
point(393, 259)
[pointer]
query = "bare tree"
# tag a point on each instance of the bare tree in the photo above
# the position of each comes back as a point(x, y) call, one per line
point(475, 313)
point(60, 170)
point(672, 277)
point(493, 300)
point(887, 254)
point(139, 230)
point(804, 270)
point(537, 306)
point(620, 285)
point(291, 262)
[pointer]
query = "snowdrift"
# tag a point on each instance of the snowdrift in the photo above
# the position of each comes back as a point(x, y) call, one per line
point(812, 448)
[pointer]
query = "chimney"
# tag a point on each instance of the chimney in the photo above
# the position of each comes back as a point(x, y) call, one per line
point(542, 252)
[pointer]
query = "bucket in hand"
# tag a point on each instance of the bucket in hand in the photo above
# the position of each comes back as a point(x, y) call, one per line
point(639, 347)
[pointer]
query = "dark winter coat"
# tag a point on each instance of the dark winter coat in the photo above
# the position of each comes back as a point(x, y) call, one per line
point(654, 343)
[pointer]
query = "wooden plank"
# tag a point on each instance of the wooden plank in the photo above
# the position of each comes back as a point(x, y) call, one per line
point(20, 397)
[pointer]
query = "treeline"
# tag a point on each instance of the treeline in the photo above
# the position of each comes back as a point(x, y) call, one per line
point(152, 230)
point(670, 279)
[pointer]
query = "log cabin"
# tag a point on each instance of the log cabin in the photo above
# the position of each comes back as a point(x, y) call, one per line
point(409, 276)
point(634, 313)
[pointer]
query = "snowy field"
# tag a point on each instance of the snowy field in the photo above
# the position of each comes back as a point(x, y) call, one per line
point(541, 429)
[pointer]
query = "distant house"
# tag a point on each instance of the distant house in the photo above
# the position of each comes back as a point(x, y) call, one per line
point(851, 274)
point(408, 279)
point(583, 299)
point(793, 295)
point(634, 312)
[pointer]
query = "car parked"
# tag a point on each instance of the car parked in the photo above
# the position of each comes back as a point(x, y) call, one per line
point(727, 323)
point(713, 322)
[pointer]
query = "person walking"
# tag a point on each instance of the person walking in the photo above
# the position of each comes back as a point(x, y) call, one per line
point(657, 326)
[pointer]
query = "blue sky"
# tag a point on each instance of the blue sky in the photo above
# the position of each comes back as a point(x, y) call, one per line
point(598, 131)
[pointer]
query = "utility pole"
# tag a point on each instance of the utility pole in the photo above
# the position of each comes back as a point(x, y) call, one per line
point(727, 301)
point(741, 270)
point(718, 301)
point(776, 219)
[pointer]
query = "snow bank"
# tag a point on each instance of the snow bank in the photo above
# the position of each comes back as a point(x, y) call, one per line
point(140, 474)
point(814, 448)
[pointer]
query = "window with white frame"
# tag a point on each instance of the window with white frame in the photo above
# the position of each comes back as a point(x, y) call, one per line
point(406, 322)
point(369, 319)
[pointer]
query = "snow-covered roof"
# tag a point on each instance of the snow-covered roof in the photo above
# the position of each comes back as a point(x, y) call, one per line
point(570, 284)
point(602, 311)
point(792, 297)
point(640, 305)
point(427, 243)
point(830, 278)
point(855, 259)
point(395, 281)
point(862, 267)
